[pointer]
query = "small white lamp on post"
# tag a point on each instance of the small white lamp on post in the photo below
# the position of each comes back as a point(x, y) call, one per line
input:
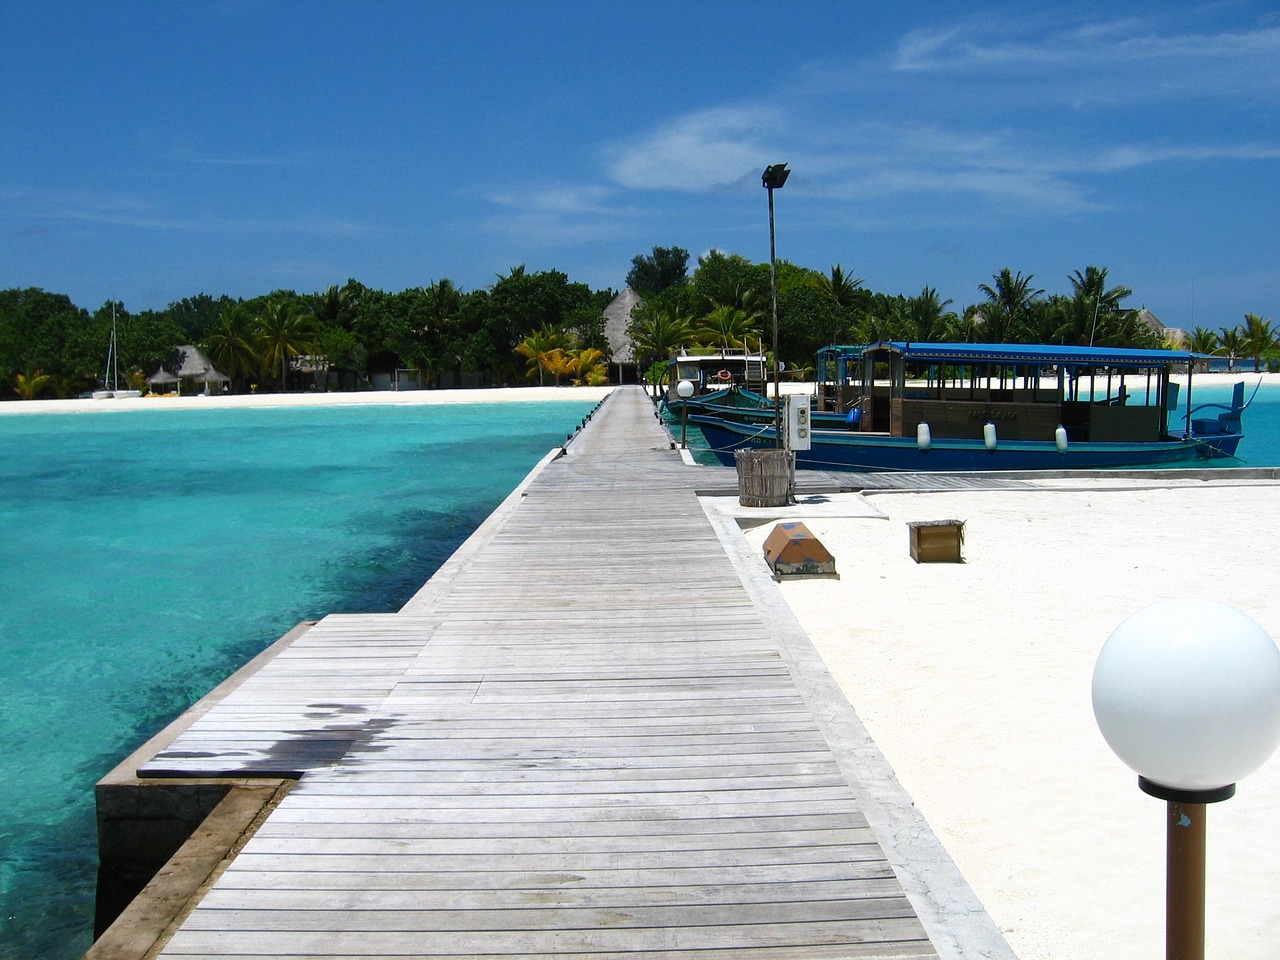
point(684, 390)
point(1187, 694)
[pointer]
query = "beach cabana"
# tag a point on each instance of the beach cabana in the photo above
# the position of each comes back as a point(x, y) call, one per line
point(196, 368)
point(162, 380)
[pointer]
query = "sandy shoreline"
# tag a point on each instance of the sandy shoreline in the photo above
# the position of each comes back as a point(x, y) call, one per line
point(391, 397)
point(405, 397)
point(974, 681)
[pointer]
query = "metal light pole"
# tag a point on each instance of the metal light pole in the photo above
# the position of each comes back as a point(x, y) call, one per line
point(1187, 694)
point(775, 175)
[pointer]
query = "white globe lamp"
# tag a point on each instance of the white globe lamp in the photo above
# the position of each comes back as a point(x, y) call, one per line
point(1187, 694)
point(684, 390)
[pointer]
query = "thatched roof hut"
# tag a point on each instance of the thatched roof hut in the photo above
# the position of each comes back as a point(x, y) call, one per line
point(196, 367)
point(617, 317)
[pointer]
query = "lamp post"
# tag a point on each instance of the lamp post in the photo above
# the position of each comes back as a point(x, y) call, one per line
point(1187, 694)
point(774, 177)
point(684, 390)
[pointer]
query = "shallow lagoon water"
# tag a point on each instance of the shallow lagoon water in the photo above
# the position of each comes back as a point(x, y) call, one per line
point(145, 556)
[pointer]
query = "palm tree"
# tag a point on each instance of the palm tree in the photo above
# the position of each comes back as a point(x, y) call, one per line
point(339, 305)
point(587, 366)
point(728, 327)
point(1092, 297)
point(539, 348)
point(657, 334)
point(1259, 339)
point(284, 331)
point(1232, 346)
point(1008, 306)
point(232, 344)
point(1202, 340)
point(884, 318)
point(28, 385)
point(927, 318)
point(842, 288)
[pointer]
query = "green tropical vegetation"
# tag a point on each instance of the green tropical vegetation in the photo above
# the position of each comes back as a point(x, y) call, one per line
point(539, 327)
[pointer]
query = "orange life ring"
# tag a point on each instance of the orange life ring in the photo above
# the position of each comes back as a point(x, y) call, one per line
point(724, 375)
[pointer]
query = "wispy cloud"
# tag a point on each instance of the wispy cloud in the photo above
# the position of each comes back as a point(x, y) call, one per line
point(965, 113)
point(699, 151)
point(559, 214)
point(129, 210)
point(213, 159)
point(559, 200)
point(1123, 59)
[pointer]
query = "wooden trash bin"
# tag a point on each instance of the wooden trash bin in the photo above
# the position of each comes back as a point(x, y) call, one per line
point(764, 477)
point(937, 541)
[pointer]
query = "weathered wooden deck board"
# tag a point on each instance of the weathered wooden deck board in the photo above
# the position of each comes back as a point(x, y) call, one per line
point(586, 744)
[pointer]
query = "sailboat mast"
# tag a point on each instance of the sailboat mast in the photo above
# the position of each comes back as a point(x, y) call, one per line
point(115, 355)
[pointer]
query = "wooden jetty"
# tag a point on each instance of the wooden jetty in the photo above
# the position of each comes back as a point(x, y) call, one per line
point(584, 738)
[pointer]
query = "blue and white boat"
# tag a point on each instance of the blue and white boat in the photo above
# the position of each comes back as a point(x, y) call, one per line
point(975, 406)
point(713, 374)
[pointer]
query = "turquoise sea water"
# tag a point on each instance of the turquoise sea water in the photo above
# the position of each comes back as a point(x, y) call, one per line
point(145, 556)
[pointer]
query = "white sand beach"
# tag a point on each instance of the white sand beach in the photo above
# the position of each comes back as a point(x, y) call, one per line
point(216, 401)
point(974, 680)
point(486, 395)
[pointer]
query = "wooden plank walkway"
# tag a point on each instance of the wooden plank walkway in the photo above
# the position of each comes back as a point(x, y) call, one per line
point(586, 744)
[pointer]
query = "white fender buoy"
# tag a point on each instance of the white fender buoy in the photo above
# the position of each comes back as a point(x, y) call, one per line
point(989, 435)
point(1060, 438)
point(923, 438)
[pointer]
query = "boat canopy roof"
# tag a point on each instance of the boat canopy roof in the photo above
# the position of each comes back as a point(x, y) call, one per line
point(1033, 353)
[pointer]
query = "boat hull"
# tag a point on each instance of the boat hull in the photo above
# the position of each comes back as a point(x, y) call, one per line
point(832, 450)
point(745, 406)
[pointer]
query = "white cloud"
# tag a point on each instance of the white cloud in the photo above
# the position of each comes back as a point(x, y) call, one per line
point(130, 210)
point(1110, 60)
point(561, 200)
point(1132, 156)
point(560, 214)
point(699, 151)
point(979, 113)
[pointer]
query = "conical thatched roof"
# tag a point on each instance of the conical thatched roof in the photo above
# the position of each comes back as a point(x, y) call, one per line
point(195, 366)
point(617, 317)
point(1174, 336)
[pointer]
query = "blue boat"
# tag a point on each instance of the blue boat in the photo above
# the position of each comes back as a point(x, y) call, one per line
point(973, 406)
point(744, 406)
point(715, 373)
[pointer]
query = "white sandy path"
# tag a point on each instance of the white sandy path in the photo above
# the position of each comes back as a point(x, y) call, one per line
point(974, 680)
point(392, 397)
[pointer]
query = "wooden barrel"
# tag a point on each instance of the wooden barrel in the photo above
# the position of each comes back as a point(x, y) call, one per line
point(764, 477)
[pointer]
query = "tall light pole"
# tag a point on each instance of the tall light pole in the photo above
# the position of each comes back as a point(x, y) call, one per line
point(775, 176)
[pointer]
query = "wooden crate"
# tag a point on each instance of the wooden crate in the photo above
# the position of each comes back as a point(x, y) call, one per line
point(937, 541)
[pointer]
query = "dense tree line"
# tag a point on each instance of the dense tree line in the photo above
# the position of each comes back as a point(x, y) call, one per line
point(727, 302)
point(541, 327)
point(51, 347)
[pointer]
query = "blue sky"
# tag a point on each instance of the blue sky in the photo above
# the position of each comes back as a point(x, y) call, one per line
point(152, 151)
